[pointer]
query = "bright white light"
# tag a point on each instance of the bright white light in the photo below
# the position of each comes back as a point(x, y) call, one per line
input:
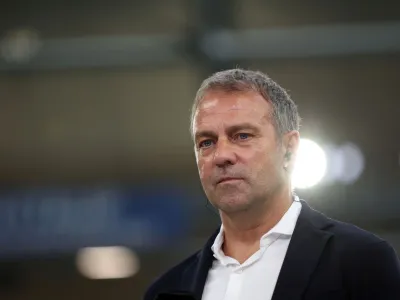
point(345, 163)
point(310, 165)
point(107, 262)
point(354, 163)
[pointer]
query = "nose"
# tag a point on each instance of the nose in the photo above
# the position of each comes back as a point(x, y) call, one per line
point(224, 155)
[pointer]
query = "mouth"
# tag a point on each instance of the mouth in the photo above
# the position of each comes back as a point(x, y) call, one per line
point(228, 179)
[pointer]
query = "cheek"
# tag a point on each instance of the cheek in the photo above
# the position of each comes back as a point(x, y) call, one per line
point(262, 162)
point(201, 166)
point(205, 173)
point(257, 157)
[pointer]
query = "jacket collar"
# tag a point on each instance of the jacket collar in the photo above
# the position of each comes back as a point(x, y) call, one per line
point(305, 249)
point(307, 244)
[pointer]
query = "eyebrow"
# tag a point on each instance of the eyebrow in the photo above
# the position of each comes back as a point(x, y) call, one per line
point(242, 126)
point(230, 130)
point(204, 133)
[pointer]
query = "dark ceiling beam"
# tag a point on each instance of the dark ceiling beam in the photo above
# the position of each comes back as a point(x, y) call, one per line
point(216, 42)
point(210, 16)
point(306, 41)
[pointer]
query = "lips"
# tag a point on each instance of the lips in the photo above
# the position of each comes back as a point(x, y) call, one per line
point(228, 179)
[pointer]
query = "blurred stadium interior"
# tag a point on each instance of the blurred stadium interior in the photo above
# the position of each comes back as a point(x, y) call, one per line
point(94, 125)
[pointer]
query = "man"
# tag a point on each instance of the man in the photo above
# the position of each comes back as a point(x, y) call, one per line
point(270, 245)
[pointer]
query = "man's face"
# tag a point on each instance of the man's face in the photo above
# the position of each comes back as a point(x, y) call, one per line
point(239, 159)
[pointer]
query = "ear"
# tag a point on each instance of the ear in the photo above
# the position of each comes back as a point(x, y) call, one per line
point(290, 145)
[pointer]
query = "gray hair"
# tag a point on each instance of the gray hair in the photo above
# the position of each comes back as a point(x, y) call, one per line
point(285, 116)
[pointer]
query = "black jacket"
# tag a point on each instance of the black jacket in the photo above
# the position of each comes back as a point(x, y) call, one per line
point(326, 260)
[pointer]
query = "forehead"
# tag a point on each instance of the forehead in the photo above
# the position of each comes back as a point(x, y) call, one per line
point(230, 107)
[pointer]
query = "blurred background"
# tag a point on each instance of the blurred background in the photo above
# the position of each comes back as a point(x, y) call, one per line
point(99, 191)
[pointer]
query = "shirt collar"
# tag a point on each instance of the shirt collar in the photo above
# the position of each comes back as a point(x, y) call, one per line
point(288, 222)
point(217, 245)
point(284, 227)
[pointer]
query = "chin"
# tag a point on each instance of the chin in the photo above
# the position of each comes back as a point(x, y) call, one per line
point(232, 203)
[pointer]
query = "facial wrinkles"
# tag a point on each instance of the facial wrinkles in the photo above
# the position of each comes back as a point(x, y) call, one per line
point(216, 107)
point(215, 99)
point(211, 117)
point(219, 122)
point(209, 104)
point(238, 113)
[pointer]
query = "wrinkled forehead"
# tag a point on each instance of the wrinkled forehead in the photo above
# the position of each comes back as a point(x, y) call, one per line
point(229, 107)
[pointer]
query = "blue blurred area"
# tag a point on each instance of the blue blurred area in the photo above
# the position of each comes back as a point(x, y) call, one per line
point(47, 220)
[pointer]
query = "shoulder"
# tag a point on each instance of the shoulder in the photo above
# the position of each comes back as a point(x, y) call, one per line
point(182, 275)
point(366, 258)
point(352, 235)
point(172, 278)
point(360, 249)
point(363, 257)
point(347, 239)
point(344, 234)
point(361, 244)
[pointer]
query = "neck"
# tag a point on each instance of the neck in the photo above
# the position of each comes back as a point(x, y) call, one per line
point(243, 230)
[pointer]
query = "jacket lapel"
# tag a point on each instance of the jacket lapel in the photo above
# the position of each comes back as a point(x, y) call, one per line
point(196, 275)
point(305, 248)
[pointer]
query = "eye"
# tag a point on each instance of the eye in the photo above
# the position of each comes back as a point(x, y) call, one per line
point(205, 144)
point(242, 136)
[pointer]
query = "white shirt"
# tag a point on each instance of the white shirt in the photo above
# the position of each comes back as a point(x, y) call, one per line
point(256, 278)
